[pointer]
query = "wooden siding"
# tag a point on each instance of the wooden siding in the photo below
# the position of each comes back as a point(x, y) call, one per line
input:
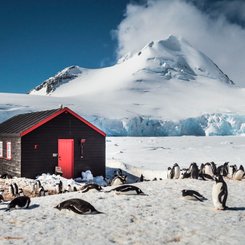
point(11, 166)
point(38, 147)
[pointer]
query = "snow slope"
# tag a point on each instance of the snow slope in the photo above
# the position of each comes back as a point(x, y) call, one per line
point(162, 217)
point(167, 88)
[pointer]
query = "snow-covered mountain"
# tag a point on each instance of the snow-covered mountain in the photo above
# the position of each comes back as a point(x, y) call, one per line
point(167, 88)
point(157, 62)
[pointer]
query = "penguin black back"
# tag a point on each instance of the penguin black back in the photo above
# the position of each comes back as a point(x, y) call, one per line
point(19, 202)
point(78, 206)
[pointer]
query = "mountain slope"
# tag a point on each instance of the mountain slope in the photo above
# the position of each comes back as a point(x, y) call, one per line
point(167, 88)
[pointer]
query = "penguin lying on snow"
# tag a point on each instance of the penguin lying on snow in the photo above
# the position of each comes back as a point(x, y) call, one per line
point(220, 193)
point(19, 202)
point(78, 206)
point(128, 189)
point(88, 187)
point(193, 195)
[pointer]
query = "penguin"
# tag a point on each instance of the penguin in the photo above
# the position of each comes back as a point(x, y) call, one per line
point(219, 193)
point(36, 187)
point(14, 189)
point(1, 196)
point(128, 190)
point(231, 171)
point(78, 206)
point(118, 172)
point(119, 180)
point(42, 192)
point(19, 202)
point(222, 169)
point(193, 195)
point(238, 175)
point(59, 187)
point(88, 187)
point(184, 173)
point(214, 168)
point(194, 171)
point(175, 172)
point(208, 169)
point(169, 173)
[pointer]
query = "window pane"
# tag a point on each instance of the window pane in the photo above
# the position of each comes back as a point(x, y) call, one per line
point(8, 150)
point(1, 149)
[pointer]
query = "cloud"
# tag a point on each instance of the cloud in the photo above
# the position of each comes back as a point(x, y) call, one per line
point(212, 33)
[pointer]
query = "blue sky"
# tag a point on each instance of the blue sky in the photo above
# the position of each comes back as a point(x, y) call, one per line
point(40, 38)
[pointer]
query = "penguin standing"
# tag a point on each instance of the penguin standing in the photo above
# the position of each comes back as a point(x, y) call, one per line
point(14, 189)
point(238, 175)
point(175, 172)
point(1, 196)
point(219, 193)
point(42, 192)
point(194, 172)
point(169, 173)
point(78, 206)
point(119, 180)
point(19, 202)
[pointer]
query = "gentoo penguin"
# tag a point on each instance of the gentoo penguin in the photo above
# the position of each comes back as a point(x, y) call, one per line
point(238, 175)
point(59, 187)
point(193, 169)
point(42, 192)
point(14, 189)
point(175, 172)
point(78, 206)
point(19, 202)
point(88, 187)
point(222, 170)
point(36, 187)
point(208, 169)
point(169, 173)
point(1, 196)
point(119, 180)
point(219, 193)
point(128, 190)
point(184, 173)
point(193, 195)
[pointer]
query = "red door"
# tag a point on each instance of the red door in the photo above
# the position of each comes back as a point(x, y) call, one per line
point(66, 157)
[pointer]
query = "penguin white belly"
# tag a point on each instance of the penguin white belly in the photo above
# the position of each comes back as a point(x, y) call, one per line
point(238, 175)
point(176, 172)
point(208, 170)
point(116, 181)
point(215, 195)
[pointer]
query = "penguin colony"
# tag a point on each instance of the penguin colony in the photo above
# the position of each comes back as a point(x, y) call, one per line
point(207, 171)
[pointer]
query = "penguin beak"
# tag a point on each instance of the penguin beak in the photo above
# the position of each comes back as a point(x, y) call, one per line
point(58, 207)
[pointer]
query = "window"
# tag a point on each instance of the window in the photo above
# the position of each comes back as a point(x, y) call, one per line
point(9, 153)
point(1, 149)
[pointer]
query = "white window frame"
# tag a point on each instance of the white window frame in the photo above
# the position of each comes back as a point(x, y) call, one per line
point(8, 150)
point(1, 149)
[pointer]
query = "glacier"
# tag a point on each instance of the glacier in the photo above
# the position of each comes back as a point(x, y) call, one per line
point(216, 124)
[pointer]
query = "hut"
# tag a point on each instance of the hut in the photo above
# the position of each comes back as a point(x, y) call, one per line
point(51, 141)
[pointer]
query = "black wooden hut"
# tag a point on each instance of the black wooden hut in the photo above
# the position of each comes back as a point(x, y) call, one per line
point(39, 142)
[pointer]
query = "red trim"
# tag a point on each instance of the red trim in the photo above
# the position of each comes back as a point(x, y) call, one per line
point(57, 113)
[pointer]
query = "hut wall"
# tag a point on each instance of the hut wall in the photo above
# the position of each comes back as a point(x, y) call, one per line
point(39, 148)
point(11, 166)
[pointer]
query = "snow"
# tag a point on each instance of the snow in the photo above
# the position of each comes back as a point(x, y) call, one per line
point(161, 217)
point(168, 88)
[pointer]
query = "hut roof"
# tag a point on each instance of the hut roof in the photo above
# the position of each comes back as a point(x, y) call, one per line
point(23, 124)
